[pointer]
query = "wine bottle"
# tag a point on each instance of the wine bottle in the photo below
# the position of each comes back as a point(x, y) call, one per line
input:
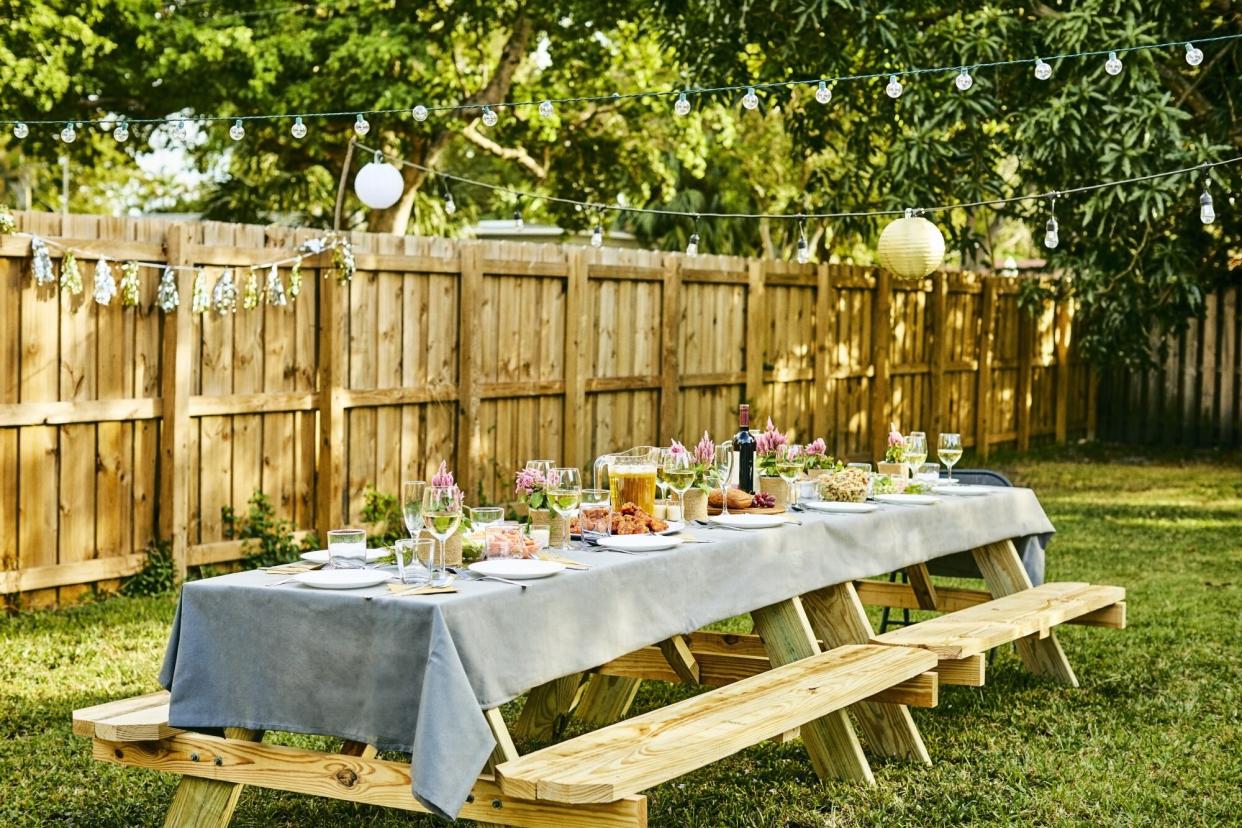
point(744, 445)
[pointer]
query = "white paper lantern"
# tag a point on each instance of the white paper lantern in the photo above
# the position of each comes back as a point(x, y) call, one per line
point(911, 247)
point(379, 185)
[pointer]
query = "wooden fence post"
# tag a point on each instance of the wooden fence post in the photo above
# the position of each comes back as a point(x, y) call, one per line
point(470, 333)
point(881, 341)
point(670, 372)
point(821, 396)
point(1229, 425)
point(574, 414)
point(983, 396)
point(1064, 315)
point(330, 486)
point(1022, 397)
point(756, 311)
point(178, 335)
point(940, 351)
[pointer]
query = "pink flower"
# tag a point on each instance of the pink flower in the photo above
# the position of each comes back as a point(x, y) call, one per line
point(894, 436)
point(676, 449)
point(529, 480)
point(443, 477)
point(817, 448)
point(770, 440)
point(705, 451)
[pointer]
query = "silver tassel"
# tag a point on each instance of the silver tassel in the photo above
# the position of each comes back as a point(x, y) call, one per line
point(105, 285)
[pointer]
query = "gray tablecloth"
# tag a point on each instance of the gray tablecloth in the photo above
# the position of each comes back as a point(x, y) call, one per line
point(415, 674)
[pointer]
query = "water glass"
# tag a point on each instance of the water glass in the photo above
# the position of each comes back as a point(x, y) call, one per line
point(928, 473)
point(722, 462)
point(485, 516)
point(414, 559)
point(347, 548)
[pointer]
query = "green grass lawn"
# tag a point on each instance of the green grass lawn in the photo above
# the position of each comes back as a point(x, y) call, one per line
point(1153, 736)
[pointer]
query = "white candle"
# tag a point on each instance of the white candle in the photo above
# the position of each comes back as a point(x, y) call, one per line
point(542, 536)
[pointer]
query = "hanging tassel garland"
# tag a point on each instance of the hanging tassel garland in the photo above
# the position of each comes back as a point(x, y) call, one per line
point(224, 295)
point(105, 284)
point(166, 296)
point(343, 264)
point(70, 274)
point(199, 301)
point(129, 285)
point(42, 262)
point(275, 288)
point(250, 296)
point(295, 278)
point(7, 225)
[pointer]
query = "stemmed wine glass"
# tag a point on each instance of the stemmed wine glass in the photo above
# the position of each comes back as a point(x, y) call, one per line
point(412, 505)
point(564, 495)
point(789, 462)
point(679, 474)
point(949, 450)
point(916, 450)
point(661, 483)
point(441, 516)
point(722, 462)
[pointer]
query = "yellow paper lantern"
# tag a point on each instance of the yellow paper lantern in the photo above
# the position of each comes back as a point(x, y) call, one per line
point(911, 247)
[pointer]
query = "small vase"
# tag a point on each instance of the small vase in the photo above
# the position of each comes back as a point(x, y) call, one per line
point(539, 517)
point(897, 471)
point(558, 530)
point(694, 505)
point(453, 546)
point(776, 487)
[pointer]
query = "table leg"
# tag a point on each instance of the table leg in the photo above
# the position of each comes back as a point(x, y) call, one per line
point(837, 617)
point(606, 699)
point(503, 752)
point(351, 748)
point(1004, 574)
point(830, 740)
point(547, 707)
point(207, 803)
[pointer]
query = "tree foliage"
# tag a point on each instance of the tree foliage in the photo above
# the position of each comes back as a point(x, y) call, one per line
point(1136, 257)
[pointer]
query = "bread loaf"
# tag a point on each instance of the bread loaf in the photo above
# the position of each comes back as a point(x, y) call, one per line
point(738, 499)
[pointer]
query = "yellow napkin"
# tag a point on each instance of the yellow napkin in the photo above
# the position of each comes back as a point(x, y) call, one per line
point(684, 538)
point(406, 589)
point(568, 563)
point(294, 568)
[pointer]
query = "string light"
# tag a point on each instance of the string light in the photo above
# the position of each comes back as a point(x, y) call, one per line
point(1113, 65)
point(298, 129)
point(121, 133)
point(361, 125)
point(822, 93)
point(518, 221)
point(682, 107)
point(181, 131)
point(1194, 55)
point(419, 112)
point(692, 248)
point(964, 81)
point(450, 206)
point(750, 100)
point(489, 117)
point(893, 90)
point(237, 131)
point(597, 235)
point(546, 109)
point(1207, 213)
point(20, 130)
point(1043, 71)
point(1052, 236)
point(69, 134)
point(804, 249)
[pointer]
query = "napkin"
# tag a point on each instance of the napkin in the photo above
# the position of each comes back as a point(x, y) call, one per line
point(401, 590)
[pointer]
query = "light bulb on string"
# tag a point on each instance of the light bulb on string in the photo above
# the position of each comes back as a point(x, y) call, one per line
point(1207, 213)
point(1043, 70)
point(964, 81)
point(237, 131)
point(597, 235)
point(546, 109)
point(180, 131)
point(1194, 56)
point(419, 112)
point(1052, 236)
point(692, 248)
point(298, 130)
point(489, 117)
point(361, 126)
point(1113, 65)
point(893, 90)
point(750, 100)
point(121, 133)
point(804, 249)
point(69, 134)
point(450, 206)
point(822, 93)
point(518, 221)
point(682, 107)
point(20, 131)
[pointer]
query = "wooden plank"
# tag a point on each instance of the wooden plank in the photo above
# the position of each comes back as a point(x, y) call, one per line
point(141, 725)
point(70, 573)
point(963, 672)
point(265, 402)
point(670, 337)
point(11, 288)
point(755, 310)
point(922, 587)
point(638, 383)
point(606, 698)
point(825, 299)
point(470, 334)
point(68, 412)
point(379, 782)
point(881, 340)
point(1022, 393)
point(574, 414)
point(84, 719)
point(650, 749)
point(88, 250)
point(230, 550)
point(1064, 317)
point(939, 354)
point(837, 616)
point(547, 708)
point(1231, 426)
point(677, 653)
point(330, 465)
point(830, 740)
point(983, 392)
point(1209, 396)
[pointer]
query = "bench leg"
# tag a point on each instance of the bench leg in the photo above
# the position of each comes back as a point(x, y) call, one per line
point(837, 617)
point(1004, 574)
point(830, 740)
point(207, 803)
point(606, 699)
point(547, 707)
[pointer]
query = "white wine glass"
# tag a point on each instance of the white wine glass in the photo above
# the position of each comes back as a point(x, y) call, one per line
point(679, 473)
point(564, 495)
point(789, 459)
point(949, 450)
point(916, 450)
point(412, 505)
point(661, 483)
point(722, 462)
point(441, 516)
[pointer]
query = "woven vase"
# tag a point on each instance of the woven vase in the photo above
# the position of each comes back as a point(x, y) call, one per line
point(558, 528)
point(453, 546)
point(897, 471)
point(695, 507)
point(539, 517)
point(776, 487)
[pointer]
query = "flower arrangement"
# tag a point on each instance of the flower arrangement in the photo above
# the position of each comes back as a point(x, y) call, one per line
point(816, 457)
point(443, 478)
point(766, 445)
point(896, 451)
point(532, 488)
point(704, 456)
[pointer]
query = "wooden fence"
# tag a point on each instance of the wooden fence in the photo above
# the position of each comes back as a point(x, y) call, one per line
point(118, 426)
point(1191, 397)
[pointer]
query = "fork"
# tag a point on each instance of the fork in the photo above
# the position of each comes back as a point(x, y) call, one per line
point(471, 575)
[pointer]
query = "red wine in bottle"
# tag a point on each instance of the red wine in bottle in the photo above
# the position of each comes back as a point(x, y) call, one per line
point(744, 445)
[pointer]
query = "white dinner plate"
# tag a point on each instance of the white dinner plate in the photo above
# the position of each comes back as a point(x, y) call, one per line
point(517, 569)
point(744, 521)
point(944, 481)
point(840, 507)
point(639, 543)
point(674, 526)
point(964, 491)
point(342, 578)
point(320, 556)
point(907, 499)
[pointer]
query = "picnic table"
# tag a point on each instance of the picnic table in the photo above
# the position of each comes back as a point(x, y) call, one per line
point(426, 675)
